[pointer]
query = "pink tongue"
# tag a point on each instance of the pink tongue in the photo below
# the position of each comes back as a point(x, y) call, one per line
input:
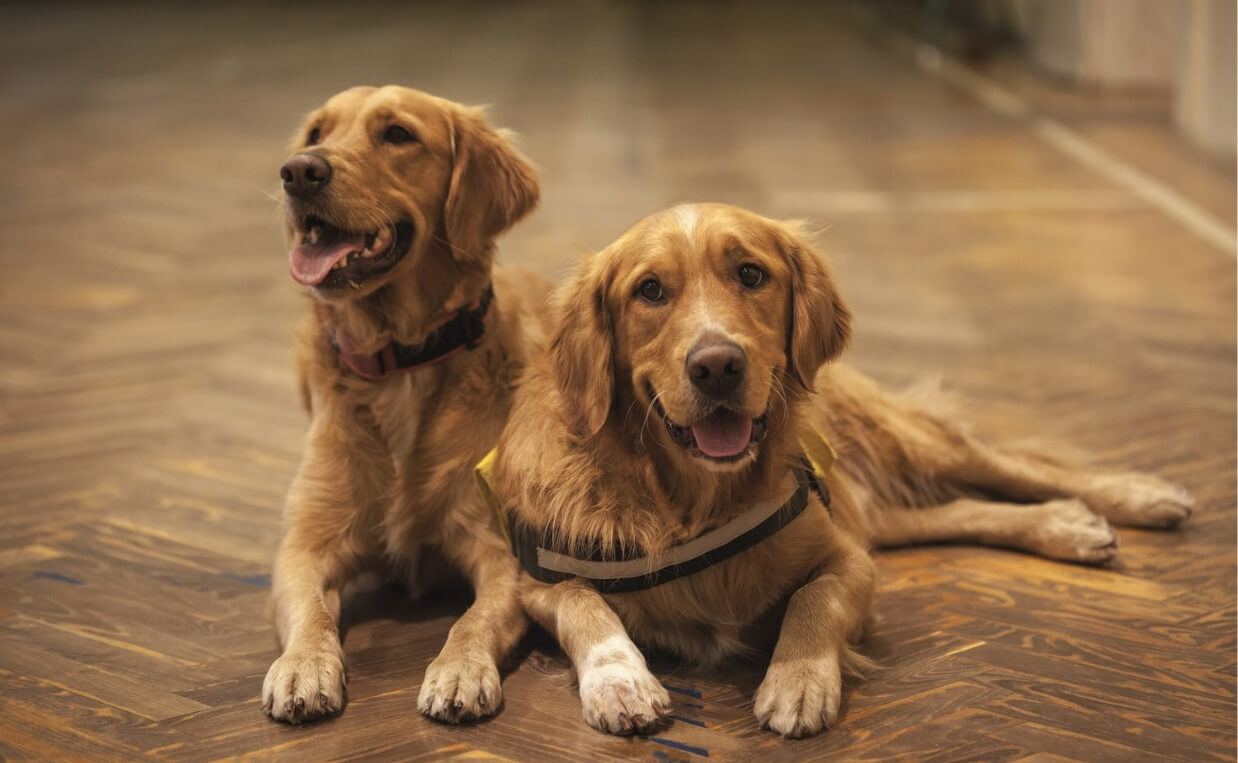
point(310, 263)
point(724, 433)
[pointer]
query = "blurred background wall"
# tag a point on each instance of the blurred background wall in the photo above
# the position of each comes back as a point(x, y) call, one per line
point(1183, 47)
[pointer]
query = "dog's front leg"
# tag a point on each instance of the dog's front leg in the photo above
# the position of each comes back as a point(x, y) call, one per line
point(802, 689)
point(618, 694)
point(307, 680)
point(320, 550)
point(462, 683)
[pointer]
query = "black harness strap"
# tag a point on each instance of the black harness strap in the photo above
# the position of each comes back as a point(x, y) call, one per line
point(526, 543)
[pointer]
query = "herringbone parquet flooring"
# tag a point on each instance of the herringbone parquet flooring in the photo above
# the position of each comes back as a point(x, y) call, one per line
point(149, 425)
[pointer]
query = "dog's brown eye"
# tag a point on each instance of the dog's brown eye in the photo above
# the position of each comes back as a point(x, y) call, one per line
point(314, 136)
point(751, 276)
point(397, 134)
point(650, 290)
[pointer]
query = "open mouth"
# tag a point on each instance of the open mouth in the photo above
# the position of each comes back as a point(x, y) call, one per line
point(330, 257)
point(723, 436)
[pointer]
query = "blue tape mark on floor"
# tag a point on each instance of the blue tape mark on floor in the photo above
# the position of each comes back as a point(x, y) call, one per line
point(681, 746)
point(693, 721)
point(262, 580)
point(690, 704)
point(682, 690)
point(43, 575)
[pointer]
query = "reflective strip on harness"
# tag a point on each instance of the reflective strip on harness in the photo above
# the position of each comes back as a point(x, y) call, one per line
point(616, 573)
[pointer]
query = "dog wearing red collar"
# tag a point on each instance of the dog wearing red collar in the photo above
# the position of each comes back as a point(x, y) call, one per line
point(407, 362)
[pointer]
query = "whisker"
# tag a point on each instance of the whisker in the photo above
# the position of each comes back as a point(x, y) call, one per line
point(786, 404)
point(274, 196)
point(627, 415)
point(447, 244)
point(640, 430)
point(387, 221)
point(648, 413)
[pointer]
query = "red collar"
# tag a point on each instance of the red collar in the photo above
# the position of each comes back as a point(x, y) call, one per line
point(462, 330)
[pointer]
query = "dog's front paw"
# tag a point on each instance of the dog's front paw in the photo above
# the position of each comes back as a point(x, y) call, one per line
point(1067, 529)
point(799, 698)
point(1140, 500)
point(618, 694)
point(303, 685)
point(460, 688)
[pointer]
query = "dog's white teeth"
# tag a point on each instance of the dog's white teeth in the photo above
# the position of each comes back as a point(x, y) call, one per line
point(378, 243)
point(345, 261)
point(314, 233)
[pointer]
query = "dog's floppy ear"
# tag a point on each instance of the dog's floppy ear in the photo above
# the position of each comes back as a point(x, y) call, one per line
point(582, 348)
point(492, 186)
point(819, 323)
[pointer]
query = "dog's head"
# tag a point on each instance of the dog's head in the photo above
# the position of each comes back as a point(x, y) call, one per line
point(381, 177)
point(710, 318)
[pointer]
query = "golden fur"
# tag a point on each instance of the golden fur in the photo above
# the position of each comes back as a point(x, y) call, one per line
point(586, 455)
point(385, 481)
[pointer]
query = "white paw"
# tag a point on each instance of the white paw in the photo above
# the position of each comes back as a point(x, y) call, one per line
point(1067, 529)
point(799, 698)
point(618, 694)
point(303, 685)
point(460, 688)
point(1141, 500)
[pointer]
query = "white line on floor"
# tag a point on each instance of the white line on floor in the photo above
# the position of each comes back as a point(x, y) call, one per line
point(876, 202)
point(1082, 150)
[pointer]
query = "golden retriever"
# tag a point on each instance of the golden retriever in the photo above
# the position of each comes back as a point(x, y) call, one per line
point(407, 362)
point(688, 362)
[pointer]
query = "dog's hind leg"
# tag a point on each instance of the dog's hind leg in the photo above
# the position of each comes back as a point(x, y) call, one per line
point(1130, 498)
point(910, 456)
point(1063, 528)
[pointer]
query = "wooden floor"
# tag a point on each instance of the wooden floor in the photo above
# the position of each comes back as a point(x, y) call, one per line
point(995, 229)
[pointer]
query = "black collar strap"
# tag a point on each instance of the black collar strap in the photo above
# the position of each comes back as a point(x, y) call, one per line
point(464, 330)
point(618, 573)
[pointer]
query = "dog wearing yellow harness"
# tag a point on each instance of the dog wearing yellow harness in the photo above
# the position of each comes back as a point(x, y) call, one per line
point(666, 476)
point(662, 480)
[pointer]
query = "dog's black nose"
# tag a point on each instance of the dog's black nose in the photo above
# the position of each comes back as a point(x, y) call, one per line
point(717, 368)
point(305, 175)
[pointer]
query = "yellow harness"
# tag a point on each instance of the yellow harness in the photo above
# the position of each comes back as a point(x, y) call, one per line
point(483, 475)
